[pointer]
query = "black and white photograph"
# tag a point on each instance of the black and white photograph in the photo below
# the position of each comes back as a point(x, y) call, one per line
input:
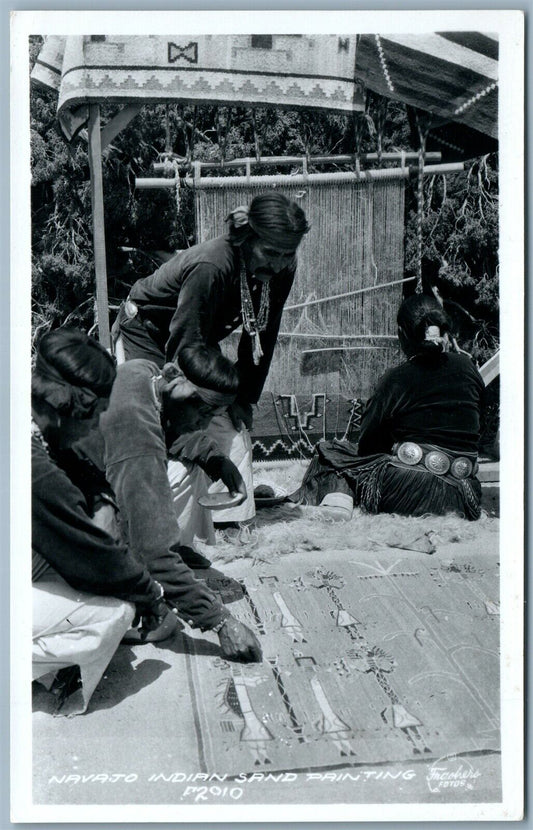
point(267, 415)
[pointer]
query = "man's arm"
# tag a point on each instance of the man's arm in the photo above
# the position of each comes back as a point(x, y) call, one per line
point(85, 556)
point(136, 468)
point(145, 501)
point(147, 516)
point(199, 448)
point(199, 302)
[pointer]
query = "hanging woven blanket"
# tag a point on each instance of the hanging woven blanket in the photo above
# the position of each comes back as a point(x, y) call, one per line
point(274, 70)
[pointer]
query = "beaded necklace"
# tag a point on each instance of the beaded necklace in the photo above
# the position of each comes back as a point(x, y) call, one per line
point(252, 324)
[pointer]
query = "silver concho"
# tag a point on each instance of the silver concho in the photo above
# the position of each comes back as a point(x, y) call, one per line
point(461, 468)
point(131, 309)
point(409, 453)
point(437, 462)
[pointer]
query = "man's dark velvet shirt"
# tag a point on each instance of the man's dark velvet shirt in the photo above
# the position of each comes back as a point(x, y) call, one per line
point(195, 297)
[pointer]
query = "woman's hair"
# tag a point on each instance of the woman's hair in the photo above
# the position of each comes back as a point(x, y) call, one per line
point(270, 215)
point(207, 367)
point(72, 372)
point(416, 314)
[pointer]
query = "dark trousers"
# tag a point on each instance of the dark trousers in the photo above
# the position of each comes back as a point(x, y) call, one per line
point(137, 339)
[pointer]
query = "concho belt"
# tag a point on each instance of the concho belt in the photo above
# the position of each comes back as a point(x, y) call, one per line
point(435, 460)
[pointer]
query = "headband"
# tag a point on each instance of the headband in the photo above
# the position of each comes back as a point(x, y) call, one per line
point(76, 401)
point(213, 397)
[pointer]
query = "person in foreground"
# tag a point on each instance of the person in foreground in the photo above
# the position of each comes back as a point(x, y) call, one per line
point(417, 451)
point(87, 587)
point(153, 416)
point(205, 292)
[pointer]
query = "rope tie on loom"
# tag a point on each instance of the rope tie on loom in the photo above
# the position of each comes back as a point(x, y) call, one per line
point(257, 140)
point(358, 120)
point(381, 117)
point(423, 130)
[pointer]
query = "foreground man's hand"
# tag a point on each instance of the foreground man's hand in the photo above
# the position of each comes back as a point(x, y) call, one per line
point(238, 642)
point(157, 623)
point(219, 467)
point(231, 477)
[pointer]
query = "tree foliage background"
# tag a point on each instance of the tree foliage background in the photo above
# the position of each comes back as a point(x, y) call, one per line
point(460, 223)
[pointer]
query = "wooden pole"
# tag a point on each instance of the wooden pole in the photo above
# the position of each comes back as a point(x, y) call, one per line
point(301, 335)
point(346, 349)
point(97, 199)
point(279, 179)
point(404, 157)
point(490, 369)
point(348, 293)
point(301, 180)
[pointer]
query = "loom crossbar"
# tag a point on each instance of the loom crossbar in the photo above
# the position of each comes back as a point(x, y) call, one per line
point(230, 182)
point(310, 336)
point(345, 349)
point(280, 161)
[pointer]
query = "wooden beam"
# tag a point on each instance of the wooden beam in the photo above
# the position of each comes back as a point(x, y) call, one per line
point(345, 349)
point(97, 198)
point(299, 334)
point(301, 179)
point(348, 293)
point(250, 161)
point(491, 368)
point(121, 120)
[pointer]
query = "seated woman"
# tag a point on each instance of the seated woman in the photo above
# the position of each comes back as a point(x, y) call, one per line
point(86, 588)
point(417, 450)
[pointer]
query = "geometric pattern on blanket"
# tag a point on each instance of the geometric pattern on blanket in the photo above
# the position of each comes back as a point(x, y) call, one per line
point(233, 70)
point(386, 658)
point(288, 426)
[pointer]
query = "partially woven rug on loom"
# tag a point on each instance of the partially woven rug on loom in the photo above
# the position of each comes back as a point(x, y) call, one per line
point(368, 658)
point(289, 426)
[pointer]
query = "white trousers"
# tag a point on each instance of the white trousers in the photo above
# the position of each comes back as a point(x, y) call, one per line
point(73, 628)
point(189, 482)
